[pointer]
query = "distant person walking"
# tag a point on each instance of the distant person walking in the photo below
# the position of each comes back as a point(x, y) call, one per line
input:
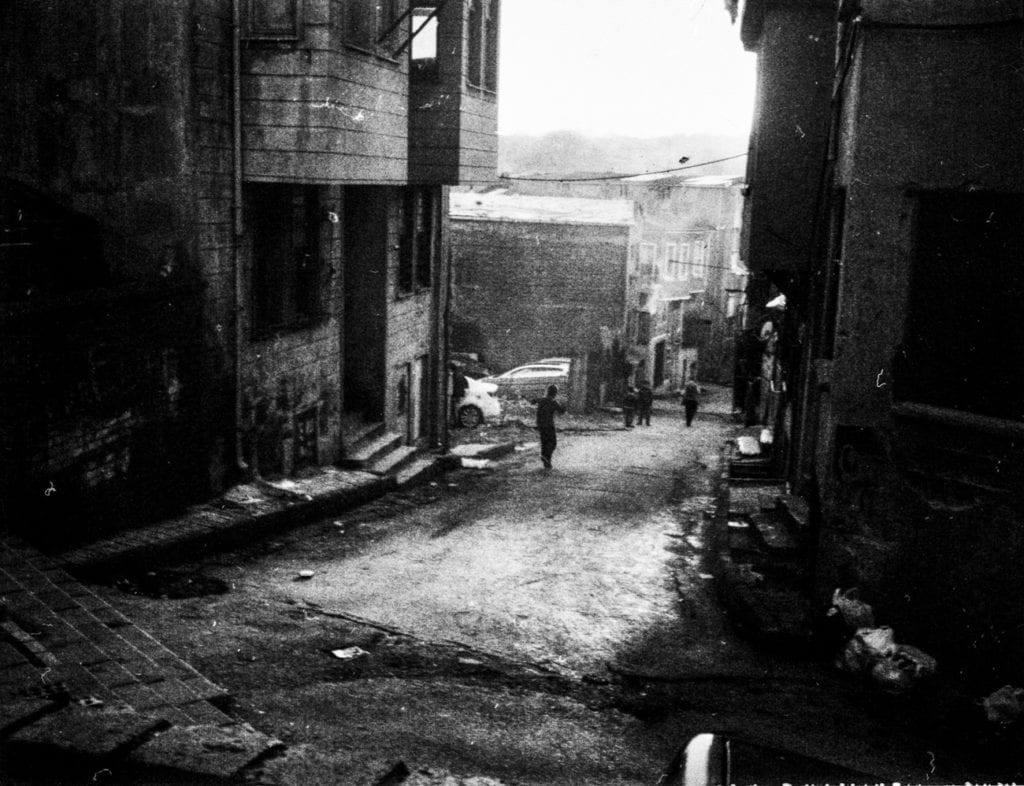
point(629, 402)
point(644, 402)
point(691, 400)
point(547, 408)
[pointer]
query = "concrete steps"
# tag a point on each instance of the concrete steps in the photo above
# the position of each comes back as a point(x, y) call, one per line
point(365, 453)
point(384, 453)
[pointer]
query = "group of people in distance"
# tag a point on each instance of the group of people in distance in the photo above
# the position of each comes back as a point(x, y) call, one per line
point(637, 403)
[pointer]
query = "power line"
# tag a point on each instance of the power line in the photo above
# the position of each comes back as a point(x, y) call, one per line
point(618, 177)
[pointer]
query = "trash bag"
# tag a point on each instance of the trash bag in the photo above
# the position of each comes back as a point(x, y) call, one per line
point(1004, 706)
point(905, 668)
point(917, 663)
point(854, 612)
point(865, 649)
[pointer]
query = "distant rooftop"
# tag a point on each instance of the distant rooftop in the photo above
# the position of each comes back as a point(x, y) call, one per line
point(701, 181)
point(540, 209)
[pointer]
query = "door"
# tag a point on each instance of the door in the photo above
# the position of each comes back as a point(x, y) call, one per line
point(659, 364)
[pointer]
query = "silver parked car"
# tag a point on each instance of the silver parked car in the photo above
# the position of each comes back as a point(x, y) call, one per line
point(530, 381)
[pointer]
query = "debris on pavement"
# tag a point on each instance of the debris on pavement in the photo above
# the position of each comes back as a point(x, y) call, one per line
point(1004, 706)
point(854, 612)
point(349, 653)
point(303, 575)
point(894, 667)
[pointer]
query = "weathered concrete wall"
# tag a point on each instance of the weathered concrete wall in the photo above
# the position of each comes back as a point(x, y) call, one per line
point(796, 52)
point(920, 510)
point(523, 291)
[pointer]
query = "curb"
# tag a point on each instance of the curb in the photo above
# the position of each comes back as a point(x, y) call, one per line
point(239, 528)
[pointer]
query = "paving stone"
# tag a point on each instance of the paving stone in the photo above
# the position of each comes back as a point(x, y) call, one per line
point(55, 599)
point(217, 751)
point(174, 691)
point(79, 681)
point(84, 653)
point(203, 687)
point(85, 731)
point(144, 669)
point(11, 655)
point(112, 674)
point(138, 696)
point(204, 712)
point(17, 711)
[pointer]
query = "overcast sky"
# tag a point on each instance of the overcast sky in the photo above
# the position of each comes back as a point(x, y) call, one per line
point(631, 67)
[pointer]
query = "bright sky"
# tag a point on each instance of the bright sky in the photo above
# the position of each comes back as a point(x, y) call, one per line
point(630, 67)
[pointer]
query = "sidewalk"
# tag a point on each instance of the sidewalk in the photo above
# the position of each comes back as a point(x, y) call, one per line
point(246, 511)
point(83, 688)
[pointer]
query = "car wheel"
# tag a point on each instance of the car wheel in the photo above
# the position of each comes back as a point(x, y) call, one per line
point(470, 416)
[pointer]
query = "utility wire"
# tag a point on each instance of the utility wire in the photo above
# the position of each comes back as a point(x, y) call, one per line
point(618, 177)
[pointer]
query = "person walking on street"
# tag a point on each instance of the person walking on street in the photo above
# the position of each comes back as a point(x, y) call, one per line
point(691, 400)
point(629, 405)
point(547, 408)
point(459, 387)
point(644, 402)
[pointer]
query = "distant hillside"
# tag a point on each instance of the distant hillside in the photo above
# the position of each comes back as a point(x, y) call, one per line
point(567, 152)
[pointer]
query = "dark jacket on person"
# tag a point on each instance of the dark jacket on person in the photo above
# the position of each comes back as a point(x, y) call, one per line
point(547, 408)
point(645, 397)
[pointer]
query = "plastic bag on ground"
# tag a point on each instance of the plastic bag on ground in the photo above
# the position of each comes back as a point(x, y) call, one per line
point(866, 648)
point(854, 612)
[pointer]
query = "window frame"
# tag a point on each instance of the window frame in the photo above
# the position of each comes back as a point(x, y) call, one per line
point(286, 285)
point(250, 33)
point(418, 240)
point(379, 21)
point(482, 46)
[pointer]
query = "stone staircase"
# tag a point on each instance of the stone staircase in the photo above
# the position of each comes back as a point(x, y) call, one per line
point(371, 448)
point(763, 561)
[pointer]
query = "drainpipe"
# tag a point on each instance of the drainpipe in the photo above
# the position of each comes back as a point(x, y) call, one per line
point(237, 225)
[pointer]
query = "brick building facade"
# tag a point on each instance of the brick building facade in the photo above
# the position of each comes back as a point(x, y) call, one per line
point(225, 244)
point(688, 302)
point(539, 276)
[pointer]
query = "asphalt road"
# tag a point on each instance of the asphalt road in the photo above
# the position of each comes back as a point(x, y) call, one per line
point(511, 625)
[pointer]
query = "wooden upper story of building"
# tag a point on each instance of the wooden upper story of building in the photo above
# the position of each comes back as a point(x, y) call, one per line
point(368, 91)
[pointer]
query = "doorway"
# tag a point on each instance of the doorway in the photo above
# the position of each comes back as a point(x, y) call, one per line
point(364, 323)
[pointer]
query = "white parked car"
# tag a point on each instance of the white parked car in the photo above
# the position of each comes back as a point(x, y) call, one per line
point(478, 404)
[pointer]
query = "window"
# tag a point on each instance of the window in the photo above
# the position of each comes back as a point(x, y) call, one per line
point(685, 254)
point(647, 264)
point(672, 260)
point(416, 252)
point(273, 19)
point(373, 25)
point(424, 44)
point(361, 23)
point(698, 265)
point(963, 335)
point(285, 229)
point(483, 44)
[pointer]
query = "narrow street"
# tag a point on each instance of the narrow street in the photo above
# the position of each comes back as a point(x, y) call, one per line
point(526, 626)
